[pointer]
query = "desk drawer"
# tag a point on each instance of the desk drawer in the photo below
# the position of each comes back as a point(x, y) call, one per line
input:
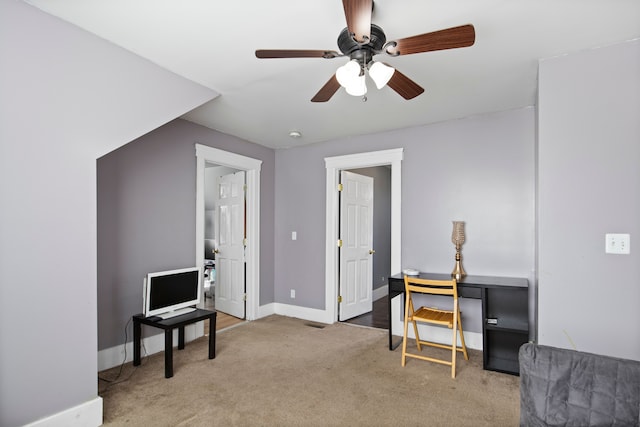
point(469, 292)
point(396, 285)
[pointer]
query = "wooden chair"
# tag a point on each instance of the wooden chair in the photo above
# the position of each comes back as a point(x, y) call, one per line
point(449, 318)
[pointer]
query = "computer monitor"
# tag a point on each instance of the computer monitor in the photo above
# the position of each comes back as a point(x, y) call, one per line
point(171, 293)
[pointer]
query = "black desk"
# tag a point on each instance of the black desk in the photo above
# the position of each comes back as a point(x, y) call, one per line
point(169, 325)
point(505, 313)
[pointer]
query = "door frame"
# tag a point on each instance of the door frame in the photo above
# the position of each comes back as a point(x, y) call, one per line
point(392, 157)
point(252, 167)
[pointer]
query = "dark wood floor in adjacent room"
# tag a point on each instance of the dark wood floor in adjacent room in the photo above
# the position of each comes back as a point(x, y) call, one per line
point(377, 318)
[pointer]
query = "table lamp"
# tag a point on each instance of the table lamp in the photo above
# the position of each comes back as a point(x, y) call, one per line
point(457, 238)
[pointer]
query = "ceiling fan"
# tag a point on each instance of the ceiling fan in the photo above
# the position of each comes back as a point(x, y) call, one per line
point(361, 40)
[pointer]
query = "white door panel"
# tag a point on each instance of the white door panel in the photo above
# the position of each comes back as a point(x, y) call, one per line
point(230, 281)
point(356, 253)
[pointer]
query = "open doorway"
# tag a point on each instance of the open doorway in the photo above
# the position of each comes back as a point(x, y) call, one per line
point(378, 232)
point(217, 182)
point(251, 251)
point(391, 158)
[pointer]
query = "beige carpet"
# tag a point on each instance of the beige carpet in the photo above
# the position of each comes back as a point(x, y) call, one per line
point(281, 371)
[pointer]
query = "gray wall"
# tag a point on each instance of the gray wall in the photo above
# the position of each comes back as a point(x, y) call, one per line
point(480, 170)
point(381, 222)
point(146, 217)
point(69, 98)
point(66, 98)
point(589, 180)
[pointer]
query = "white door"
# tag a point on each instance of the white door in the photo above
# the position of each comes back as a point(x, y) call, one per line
point(230, 284)
point(356, 253)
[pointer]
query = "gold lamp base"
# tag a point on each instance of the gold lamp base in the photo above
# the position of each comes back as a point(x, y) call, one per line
point(458, 272)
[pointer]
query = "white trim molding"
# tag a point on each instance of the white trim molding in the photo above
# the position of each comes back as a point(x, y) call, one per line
point(304, 313)
point(87, 414)
point(120, 354)
point(380, 292)
point(208, 154)
point(472, 340)
point(334, 165)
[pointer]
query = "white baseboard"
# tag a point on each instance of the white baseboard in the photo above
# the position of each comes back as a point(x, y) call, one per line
point(266, 310)
point(88, 414)
point(117, 355)
point(380, 292)
point(472, 340)
point(311, 314)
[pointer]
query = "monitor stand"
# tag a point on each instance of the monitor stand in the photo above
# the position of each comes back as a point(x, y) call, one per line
point(178, 312)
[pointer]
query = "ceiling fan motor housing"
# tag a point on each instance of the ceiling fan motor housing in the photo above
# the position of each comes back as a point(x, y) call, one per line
point(362, 52)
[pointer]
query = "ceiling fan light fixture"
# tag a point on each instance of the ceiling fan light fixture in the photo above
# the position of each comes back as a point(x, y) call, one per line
point(351, 77)
point(348, 74)
point(381, 74)
point(357, 87)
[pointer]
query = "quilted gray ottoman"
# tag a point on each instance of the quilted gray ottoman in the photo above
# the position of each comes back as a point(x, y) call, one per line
point(560, 387)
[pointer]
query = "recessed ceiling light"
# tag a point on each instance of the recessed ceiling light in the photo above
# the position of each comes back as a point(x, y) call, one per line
point(295, 134)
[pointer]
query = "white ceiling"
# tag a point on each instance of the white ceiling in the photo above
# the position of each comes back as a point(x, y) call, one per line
point(213, 43)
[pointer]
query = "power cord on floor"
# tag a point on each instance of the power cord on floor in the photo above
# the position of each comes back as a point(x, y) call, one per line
point(124, 360)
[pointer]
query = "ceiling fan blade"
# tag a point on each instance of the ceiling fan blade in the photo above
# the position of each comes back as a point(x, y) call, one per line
point(292, 53)
point(358, 14)
point(406, 88)
point(450, 38)
point(327, 91)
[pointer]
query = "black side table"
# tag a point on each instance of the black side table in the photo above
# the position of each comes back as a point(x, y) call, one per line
point(169, 325)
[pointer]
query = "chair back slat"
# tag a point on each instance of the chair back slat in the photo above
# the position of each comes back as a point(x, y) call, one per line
point(428, 286)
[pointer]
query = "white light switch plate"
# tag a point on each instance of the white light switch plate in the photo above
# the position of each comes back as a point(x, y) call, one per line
point(294, 235)
point(617, 244)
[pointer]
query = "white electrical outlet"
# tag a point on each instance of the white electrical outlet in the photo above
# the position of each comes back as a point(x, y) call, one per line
point(617, 243)
point(294, 235)
point(293, 293)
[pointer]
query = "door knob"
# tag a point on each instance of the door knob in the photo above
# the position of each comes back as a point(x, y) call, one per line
point(371, 252)
point(215, 251)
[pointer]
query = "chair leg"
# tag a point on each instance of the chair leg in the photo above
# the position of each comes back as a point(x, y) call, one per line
point(415, 331)
point(464, 347)
point(404, 336)
point(415, 325)
point(454, 349)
